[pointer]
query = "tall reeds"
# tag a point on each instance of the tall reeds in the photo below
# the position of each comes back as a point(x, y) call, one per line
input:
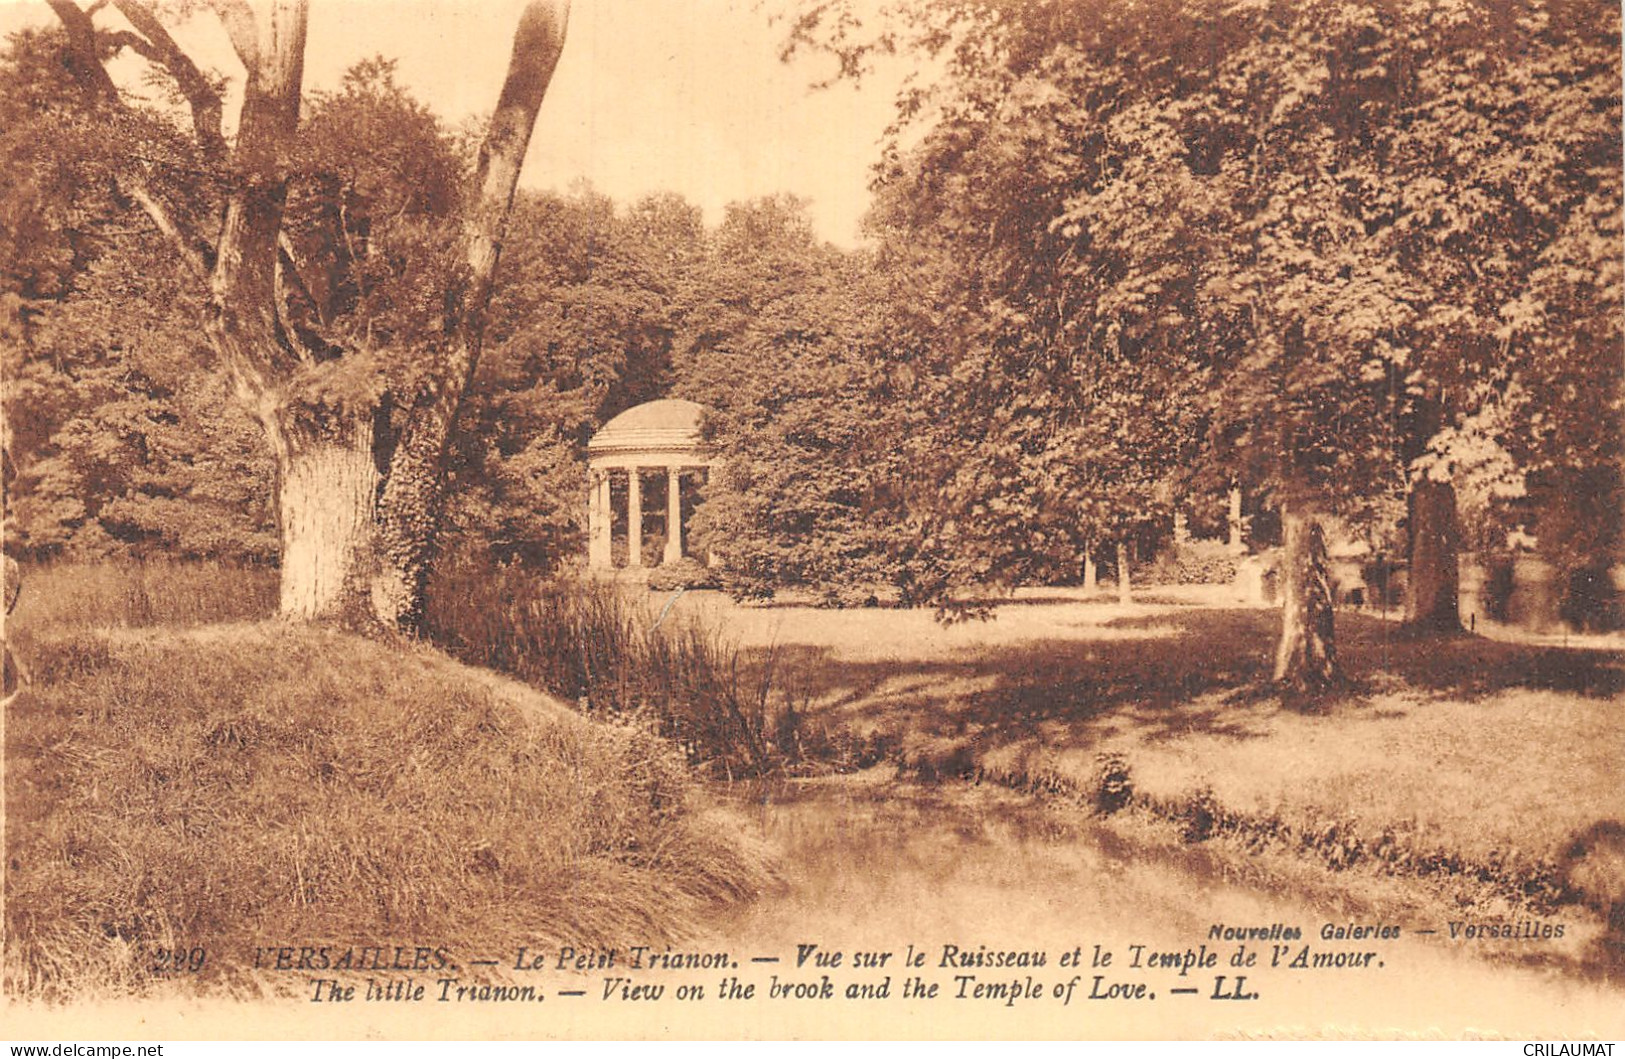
point(604, 648)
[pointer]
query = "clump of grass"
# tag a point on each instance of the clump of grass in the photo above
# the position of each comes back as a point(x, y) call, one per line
point(1199, 816)
point(590, 643)
point(1114, 784)
point(266, 785)
point(155, 592)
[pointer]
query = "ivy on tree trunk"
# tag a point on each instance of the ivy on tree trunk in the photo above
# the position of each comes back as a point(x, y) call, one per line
point(1305, 657)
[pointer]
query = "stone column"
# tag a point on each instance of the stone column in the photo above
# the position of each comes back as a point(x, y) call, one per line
point(592, 519)
point(597, 509)
point(674, 515)
point(606, 524)
point(634, 517)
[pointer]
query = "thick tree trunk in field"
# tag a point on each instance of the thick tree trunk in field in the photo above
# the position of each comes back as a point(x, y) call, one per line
point(1125, 556)
point(1091, 575)
point(1306, 656)
point(328, 487)
point(1432, 599)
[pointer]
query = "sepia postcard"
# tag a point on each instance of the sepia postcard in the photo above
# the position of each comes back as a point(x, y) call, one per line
point(813, 519)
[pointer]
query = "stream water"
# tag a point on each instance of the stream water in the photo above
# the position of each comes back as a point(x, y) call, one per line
point(956, 873)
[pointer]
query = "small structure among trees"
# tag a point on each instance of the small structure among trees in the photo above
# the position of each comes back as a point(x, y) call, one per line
point(658, 435)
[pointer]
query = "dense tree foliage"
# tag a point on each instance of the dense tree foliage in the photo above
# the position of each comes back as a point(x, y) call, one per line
point(1320, 239)
point(786, 342)
point(581, 329)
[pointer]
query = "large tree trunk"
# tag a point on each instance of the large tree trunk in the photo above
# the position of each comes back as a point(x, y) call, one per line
point(328, 487)
point(1125, 556)
point(1431, 602)
point(1306, 656)
point(1091, 575)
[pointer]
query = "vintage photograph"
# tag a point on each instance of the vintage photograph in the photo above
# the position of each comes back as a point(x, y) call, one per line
point(784, 519)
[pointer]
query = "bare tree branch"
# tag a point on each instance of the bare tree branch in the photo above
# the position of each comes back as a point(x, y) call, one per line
point(82, 60)
point(537, 45)
point(84, 63)
point(201, 94)
point(301, 311)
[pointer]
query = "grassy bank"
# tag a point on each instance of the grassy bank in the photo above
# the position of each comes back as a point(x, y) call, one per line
point(226, 788)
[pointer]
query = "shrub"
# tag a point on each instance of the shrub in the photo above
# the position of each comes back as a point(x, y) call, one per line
point(1200, 815)
point(1193, 563)
point(685, 573)
point(1114, 786)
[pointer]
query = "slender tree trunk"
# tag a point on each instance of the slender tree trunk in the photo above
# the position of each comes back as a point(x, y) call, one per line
point(1125, 556)
point(1306, 655)
point(1237, 545)
point(1431, 602)
point(1091, 575)
point(414, 488)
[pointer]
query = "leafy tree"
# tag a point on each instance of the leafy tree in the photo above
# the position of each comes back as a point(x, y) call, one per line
point(1290, 228)
point(356, 382)
point(130, 444)
point(581, 329)
point(114, 420)
point(782, 339)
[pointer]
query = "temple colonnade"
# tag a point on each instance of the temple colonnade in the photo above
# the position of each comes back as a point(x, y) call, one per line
point(660, 436)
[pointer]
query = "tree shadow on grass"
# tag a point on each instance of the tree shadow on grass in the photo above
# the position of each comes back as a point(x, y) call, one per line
point(1159, 677)
point(1471, 667)
point(1152, 674)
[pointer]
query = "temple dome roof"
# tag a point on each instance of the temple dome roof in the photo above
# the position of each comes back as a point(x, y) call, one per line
point(656, 426)
point(667, 414)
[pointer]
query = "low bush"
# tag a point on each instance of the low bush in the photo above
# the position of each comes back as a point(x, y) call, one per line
point(1114, 784)
point(684, 573)
point(1192, 563)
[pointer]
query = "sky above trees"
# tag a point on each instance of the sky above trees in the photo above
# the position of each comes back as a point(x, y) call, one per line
point(656, 95)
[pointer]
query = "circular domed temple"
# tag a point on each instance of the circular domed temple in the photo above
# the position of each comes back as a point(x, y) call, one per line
point(659, 435)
